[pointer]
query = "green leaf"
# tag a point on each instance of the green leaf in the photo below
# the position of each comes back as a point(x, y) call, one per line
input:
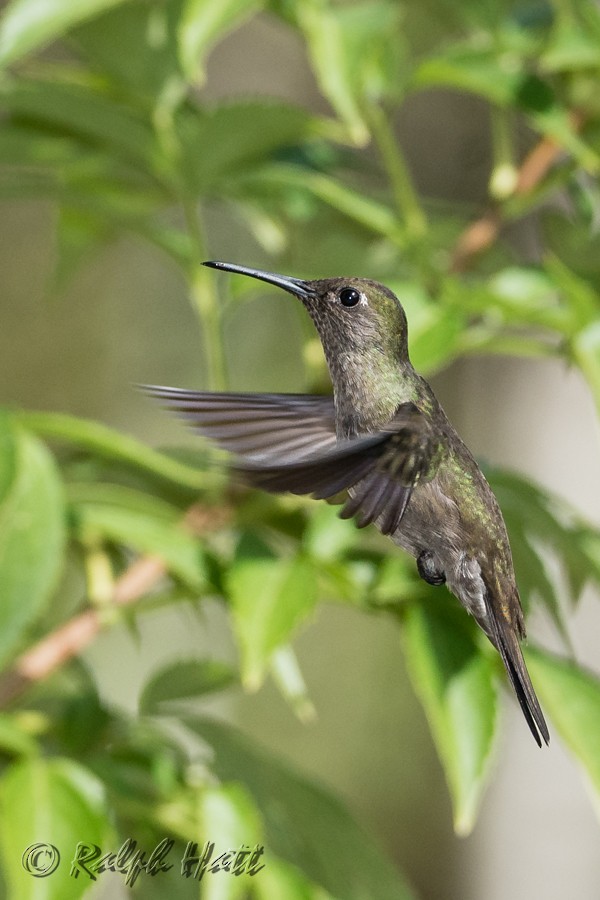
point(184, 681)
point(457, 685)
point(270, 597)
point(111, 444)
point(278, 879)
point(327, 537)
point(586, 350)
point(506, 79)
point(32, 532)
point(229, 816)
point(354, 51)
point(84, 111)
point(27, 25)
point(475, 68)
point(571, 695)
point(533, 511)
point(138, 520)
point(213, 154)
point(578, 295)
point(304, 825)
point(288, 677)
point(54, 801)
point(14, 739)
point(572, 47)
point(135, 45)
point(347, 200)
point(202, 23)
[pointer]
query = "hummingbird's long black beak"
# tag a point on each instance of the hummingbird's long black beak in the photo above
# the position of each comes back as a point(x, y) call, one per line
point(293, 285)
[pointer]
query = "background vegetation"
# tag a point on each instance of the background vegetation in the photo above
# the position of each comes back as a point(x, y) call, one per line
point(108, 116)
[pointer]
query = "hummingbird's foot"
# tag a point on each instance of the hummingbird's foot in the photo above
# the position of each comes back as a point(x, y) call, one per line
point(428, 570)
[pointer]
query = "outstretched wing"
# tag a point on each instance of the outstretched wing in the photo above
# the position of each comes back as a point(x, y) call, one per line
point(257, 427)
point(287, 442)
point(379, 470)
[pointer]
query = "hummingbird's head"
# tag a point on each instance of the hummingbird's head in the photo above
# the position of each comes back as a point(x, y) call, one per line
point(354, 316)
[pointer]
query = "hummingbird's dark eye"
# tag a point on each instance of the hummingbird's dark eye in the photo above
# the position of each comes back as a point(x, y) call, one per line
point(349, 297)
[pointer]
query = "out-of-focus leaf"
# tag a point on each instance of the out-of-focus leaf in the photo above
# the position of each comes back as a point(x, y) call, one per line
point(542, 516)
point(183, 682)
point(572, 46)
point(32, 531)
point(27, 25)
point(326, 536)
point(506, 79)
point(579, 297)
point(13, 737)
point(571, 695)
point(354, 51)
point(135, 45)
point(457, 685)
point(287, 675)
point(532, 576)
point(77, 109)
point(586, 350)
point(212, 152)
point(304, 825)
point(111, 444)
point(472, 68)
point(54, 801)
point(202, 23)
point(134, 519)
point(397, 581)
point(270, 597)
point(357, 206)
point(279, 879)
point(230, 819)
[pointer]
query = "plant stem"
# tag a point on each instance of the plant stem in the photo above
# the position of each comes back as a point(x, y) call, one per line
point(405, 195)
point(206, 302)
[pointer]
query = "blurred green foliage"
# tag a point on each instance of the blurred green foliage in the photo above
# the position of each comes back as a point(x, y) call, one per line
point(103, 113)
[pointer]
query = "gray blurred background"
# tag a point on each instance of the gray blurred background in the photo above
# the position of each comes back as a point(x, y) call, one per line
point(125, 319)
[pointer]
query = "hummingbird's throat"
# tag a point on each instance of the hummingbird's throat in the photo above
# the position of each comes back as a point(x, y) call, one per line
point(367, 393)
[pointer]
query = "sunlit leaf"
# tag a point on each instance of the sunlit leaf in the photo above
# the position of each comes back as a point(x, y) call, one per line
point(457, 685)
point(279, 879)
point(48, 802)
point(571, 695)
point(140, 521)
point(230, 819)
point(354, 50)
point(108, 443)
point(32, 531)
point(27, 25)
point(270, 597)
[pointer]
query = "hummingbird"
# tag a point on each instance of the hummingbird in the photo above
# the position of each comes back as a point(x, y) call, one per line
point(384, 442)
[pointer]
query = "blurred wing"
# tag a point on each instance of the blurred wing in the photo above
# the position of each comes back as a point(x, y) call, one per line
point(287, 442)
point(261, 428)
point(379, 470)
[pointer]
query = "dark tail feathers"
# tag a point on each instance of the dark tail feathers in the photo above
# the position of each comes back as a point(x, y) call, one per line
point(507, 642)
